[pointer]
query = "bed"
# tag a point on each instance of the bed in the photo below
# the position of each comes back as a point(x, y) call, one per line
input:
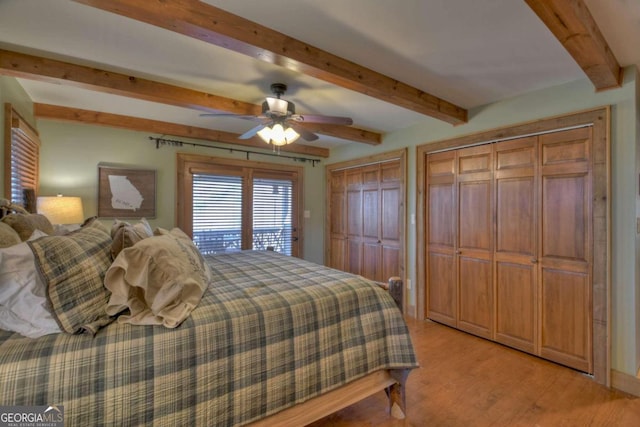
point(273, 340)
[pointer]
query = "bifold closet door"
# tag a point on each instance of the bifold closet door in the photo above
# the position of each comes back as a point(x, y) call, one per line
point(337, 229)
point(441, 271)
point(510, 241)
point(460, 239)
point(354, 210)
point(566, 242)
point(475, 240)
point(516, 255)
point(366, 220)
point(371, 259)
point(391, 208)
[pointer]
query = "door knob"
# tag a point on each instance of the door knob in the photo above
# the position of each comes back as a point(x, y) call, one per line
point(534, 260)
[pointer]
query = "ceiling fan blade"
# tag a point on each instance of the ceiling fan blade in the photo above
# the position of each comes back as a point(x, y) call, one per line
point(315, 118)
point(304, 134)
point(253, 131)
point(237, 116)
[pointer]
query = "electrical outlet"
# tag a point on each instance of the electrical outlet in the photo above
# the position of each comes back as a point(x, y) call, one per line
point(409, 284)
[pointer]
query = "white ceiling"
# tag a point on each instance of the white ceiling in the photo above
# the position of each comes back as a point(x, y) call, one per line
point(468, 52)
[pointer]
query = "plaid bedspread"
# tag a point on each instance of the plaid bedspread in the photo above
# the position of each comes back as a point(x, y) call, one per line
point(271, 331)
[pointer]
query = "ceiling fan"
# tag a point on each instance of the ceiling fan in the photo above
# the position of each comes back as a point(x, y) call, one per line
point(280, 124)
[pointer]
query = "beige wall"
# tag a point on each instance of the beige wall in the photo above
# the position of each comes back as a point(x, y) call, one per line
point(12, 92)
point(71, 152)
point(571, 97)
point(637, 192)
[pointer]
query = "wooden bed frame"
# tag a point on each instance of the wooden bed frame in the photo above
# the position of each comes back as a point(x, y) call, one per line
point(392, 381)
point(314, 409)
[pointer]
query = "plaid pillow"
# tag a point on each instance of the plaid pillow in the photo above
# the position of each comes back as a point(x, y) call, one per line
point(73, 268)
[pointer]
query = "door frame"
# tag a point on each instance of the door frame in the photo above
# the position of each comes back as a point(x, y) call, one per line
point(188, 163)
point(599, 119)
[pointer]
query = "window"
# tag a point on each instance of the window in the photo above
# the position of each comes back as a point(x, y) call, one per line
point(229, 205)
point(272, 209)
point(22, 151)
point(217, 213)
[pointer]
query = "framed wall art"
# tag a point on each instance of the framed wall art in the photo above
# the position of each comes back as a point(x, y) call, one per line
point(126, 192)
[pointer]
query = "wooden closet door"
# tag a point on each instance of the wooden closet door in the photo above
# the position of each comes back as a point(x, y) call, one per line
point(441, 291)
point(337, 229)
point(516, 243)
point(370, 241)
point(566, 242)
point(366, 220)
point(354, 210)
point(391, 211)
point(475, 240)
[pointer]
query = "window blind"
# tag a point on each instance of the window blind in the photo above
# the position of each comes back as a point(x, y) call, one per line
point(272, 212)
point(24, 164)
point(217, 213)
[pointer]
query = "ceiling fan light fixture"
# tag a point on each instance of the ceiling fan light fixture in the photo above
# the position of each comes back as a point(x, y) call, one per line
point(278, 135)
point(265, 134)
point(278, 113)
point(277, 106)
point(291, 135)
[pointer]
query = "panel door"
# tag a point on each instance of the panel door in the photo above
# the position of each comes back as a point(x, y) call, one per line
point(391, 223)
point(354, 228)
point(516, 244)
point(337, 231)
point(475, 240)
point(441, 291)
point(565, 242)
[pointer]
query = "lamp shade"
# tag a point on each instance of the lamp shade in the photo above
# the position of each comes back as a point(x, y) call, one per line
point(61, 209)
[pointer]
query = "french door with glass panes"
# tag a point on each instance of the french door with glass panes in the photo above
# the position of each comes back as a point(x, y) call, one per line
point(234, 208)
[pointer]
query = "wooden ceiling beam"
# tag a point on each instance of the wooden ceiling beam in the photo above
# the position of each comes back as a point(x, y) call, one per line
point(49, 70)
point(215, 26)
point(67, 114)
point(573, 25)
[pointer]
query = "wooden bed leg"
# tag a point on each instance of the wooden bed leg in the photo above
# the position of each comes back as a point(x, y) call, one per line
point(396, 393)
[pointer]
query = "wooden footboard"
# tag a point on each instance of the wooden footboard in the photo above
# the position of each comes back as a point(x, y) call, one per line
point(393, 381)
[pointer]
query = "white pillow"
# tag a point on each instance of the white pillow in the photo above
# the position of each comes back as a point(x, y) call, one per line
point(10, 322)
point(23, 302)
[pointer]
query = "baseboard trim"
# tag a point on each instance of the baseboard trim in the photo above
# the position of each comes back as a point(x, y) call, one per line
point(625, 382)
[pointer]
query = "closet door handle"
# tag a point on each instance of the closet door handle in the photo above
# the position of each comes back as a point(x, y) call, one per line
point(534, 260)
point(458, 252)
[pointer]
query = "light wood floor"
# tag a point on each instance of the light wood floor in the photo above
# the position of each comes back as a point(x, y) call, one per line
point(467, 381)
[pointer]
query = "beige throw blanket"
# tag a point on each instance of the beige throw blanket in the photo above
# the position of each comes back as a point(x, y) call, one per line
point(159, 280)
